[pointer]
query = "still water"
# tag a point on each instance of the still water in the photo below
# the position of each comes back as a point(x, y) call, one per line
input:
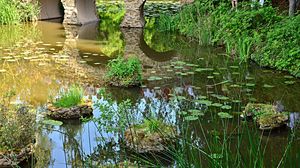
point(36, 61)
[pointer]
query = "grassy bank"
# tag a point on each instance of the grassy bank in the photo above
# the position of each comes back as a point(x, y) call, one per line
point(14, 11)
point(251, 32)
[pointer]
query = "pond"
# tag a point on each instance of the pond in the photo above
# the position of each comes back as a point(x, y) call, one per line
point(37, 61)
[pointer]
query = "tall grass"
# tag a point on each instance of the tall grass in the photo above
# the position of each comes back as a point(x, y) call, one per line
point(15, 11)
point(72, 97)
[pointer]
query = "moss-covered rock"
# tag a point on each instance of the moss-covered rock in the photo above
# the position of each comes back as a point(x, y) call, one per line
point(270, 121)
point(265, 115)
point(76, 112)
point(144, 139)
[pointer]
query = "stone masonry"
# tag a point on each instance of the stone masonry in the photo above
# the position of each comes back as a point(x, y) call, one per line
point(134, 16)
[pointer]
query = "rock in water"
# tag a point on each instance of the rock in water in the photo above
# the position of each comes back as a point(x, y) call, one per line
point(76, 112)
point(267, 116)
point(140, 140)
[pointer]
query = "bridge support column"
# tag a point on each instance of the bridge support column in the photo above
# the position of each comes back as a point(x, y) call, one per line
point(134, 16)
point(79, 12)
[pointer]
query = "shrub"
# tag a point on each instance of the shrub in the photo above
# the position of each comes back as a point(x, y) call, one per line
point(122, 72)
point(72, 97)
point(17, 128)
point(281, 47)
point(259, 33)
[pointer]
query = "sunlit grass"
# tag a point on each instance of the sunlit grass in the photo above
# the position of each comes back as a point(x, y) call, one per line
point(72, 97)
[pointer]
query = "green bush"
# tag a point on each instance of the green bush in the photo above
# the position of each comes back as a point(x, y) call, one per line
point(281, 47)
point(17, 128)
point(255, 32)
point(72, 97)
point(124, 72)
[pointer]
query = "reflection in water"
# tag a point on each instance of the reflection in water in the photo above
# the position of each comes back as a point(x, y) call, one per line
point(37, 61)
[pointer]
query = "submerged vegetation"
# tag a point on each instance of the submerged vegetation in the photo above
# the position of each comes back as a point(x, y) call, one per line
point(124, 72)
point(251, 32)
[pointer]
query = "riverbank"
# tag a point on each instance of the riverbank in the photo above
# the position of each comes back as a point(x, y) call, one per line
point(250, 32)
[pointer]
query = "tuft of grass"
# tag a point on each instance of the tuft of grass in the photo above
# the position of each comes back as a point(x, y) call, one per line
point(124, 72)
point(15, 11)
point(72, 97)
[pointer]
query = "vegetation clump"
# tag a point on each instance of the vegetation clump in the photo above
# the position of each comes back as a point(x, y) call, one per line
point(152, 136)
point(265, 115)
point(15, 11)
point(252, 32)
point(72, 97)
point(17, 134)
point(124, 72)
point(70, 105)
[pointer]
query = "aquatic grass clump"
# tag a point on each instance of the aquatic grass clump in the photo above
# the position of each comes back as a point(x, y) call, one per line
point(9, 14)
point(124, 72)
point(72, 97)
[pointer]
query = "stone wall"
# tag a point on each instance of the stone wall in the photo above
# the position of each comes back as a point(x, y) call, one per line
point(134, 16)
point(79, 12)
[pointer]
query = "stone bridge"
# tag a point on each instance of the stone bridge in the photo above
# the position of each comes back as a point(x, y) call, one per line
point(79, 12)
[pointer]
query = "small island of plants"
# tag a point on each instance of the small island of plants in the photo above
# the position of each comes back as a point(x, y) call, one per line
point(70, 105)
point(124, 72)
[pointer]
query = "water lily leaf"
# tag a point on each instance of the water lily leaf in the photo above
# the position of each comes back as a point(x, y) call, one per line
point(250, 84)
point(205, 102)
point(224, 115)
point(191, 73)
point(217, 105)
point(52, 122)
point(236, 101)
point(235, 73)
point(234, 67)
point(210, 77)
point(191, 118)
point(222, 97)
point(216, 73)
point(226, 107)
point(249, 78)
point(290, 82)
point(268, 86)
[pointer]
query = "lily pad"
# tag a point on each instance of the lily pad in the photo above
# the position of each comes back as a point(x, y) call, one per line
point(224, 115)
point(52, 122)
point(205, 102)
point(290, 82)
point(268, 86)
point(250, 84)
point(217, 105)
point(226, 107)
point(191, 118)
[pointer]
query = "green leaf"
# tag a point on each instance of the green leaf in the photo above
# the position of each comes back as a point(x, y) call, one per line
point(224, 115)
point(52, 122)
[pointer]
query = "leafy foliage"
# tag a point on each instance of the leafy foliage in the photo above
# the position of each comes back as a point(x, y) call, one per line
point(72, 97)
point(17, 127)
point(255, 32)
point(281, 47)
point(13, 12)
point(122, 72)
